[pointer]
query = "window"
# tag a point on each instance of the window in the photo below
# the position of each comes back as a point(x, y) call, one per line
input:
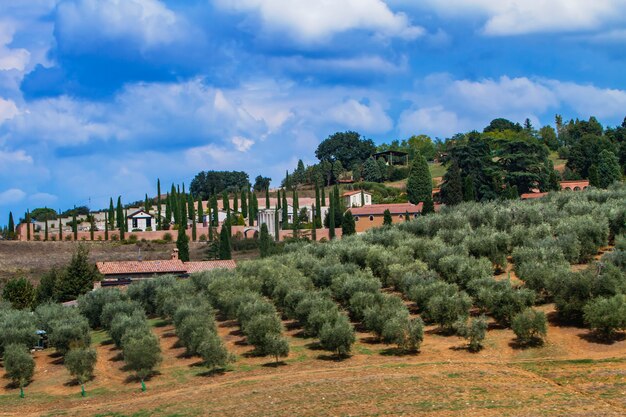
point(148, 222)
point(135, 223)
point(401, 216)
point(356, 218)
point(371, 218)
point(415, 216)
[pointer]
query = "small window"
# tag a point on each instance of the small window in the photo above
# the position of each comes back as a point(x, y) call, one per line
point(356, 218)
point(400, 216)
point(135, 223)
point(371, 218)
point(148, 222)
point(415, 216)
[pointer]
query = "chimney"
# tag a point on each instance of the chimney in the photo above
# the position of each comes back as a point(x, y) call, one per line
point(175, 254)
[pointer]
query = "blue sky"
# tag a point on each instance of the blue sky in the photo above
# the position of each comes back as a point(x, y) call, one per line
point(98, 98)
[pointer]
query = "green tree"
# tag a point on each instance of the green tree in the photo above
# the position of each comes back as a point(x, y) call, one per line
point(474, 331)
point(423, 145)
point(530, 326)
point(11, 227)
point(285, 210)
point(244, 204)
point(80, 363)
point(594, 177)
point(524, 161)
point(264, 241)
point(452, 187)
point(60, 230)
point(346, 147)
point(28, 225)
point(225, 249)
point(79, 276)
point(276, 346)
point(606, 315)
point(142, 354)
point(371, 171)
point(182, 243)
point(120, 214)
point(46, 289)
point(331, 219)
point(609, 170)
point(214, 354)
point(549, 137)
point(419, 186)
point(348, 225)
point(43, 213)
point(337, 336)
point(19, 365)
point(469, 190)
point(159, 218)
point(111, 214)
point(387, 220)
point(19, 292)
point(74, 225)
point(235, 203)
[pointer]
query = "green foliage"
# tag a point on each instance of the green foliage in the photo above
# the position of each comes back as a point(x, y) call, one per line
point(530, 326)
point(387, 220)
point(182, 244)
point(474, 331)
point(70, 331)
point(18, 364)
point(142, 352)
point(214, 354)
point(80, 363)
point(605, 316)
point(91, 304)
point(265, 241)
point(348, 226)
point(419, 186)
point(17, 327)
point(371, 171)
point(225, 246)
point(346, 147)
point(337, 336)
point(79, 276)
point(446, 309)
point(210, 183)
point(609, 170)
point(19, 292)
point(452, 187)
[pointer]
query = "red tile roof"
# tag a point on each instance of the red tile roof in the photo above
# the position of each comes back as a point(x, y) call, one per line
point(347, 193)
point(142, 267)
point(209, 265)
point(172, 266)
point(379, 209)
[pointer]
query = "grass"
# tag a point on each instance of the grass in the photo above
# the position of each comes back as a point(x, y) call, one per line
point(437, 169)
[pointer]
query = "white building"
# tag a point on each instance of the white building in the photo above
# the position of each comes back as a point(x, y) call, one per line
point(140, 221)
point(354, 198)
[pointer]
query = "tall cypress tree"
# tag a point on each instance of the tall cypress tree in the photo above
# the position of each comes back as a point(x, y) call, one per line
point(182, 244)
point(314, 228)
point(168, 211)
point(235, 203)
point(276, 226)
point(323, 197)
point(175, 206)
point(74, 224)
point(469, 190)
point(225, 251)
point(295, 204)
point(264, 241)
point(251, 209)
point(190, 208)
point(60, 228)
point(111, 213)
point(45, 232)
point(317, 195)
point(452, 187)
point(106, 226)
point(267, 197)
point(192, 214)
point(27, 225)
point(120, 214)
point(214, 211)
point(331, 218)
point(183, 211)
point(159, 219)
point(225, 202)
point(244, 204)
point(362, 198)
point(200, 211)
point(278, 200)
point(11, 225)
point(419, 186)
point(146, 204)
point(92, 226)
point(285, 208)
point(348, 226)
point(609, 170)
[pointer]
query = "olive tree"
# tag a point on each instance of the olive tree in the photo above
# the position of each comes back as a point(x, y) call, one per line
point(214, 354)
point(142, 353)
point(605, 316)
point(80, 362)
point(19, 365)
point(474, 331)
point(530, 326)
point(337, 336)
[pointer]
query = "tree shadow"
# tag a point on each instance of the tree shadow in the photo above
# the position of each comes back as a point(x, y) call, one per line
point(396, 351)
point(236, 332)
point(117, 358)
point(292, 325)
point(55, 355)
point(134, 378)
point(557, 321)
point(593, 337)
point(517, 344)
point(161, 323)
point(227, 323)
point(334, 357)
point(184, 355)
point(169, 335)
point(301, 334)
point(58, 361)
point(274, 364)
point(370, 340)
point(241, 343)
point(107, 342)
point(314, 346)
point(75, 383)
point(212, 372)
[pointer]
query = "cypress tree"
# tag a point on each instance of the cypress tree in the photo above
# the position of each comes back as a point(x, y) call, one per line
point(182, 243)
point(244, 204)
point(159, 226)
point(190, 208)
point(362, 198)
point(27, 225)
point(331, 219)
point(267, 198)
point(74, 224)
point(317, 195)
point(428, 207)
point(264, 241)
point(419, 186)
point(348, 226)
point(192, 214)
point(120, 213)
point(279, 201)
point(337, 203)
point(174, 204)
point(225, 252)
point(285, 208)
point(183, 211)
point(235, 203)
point(323, 197)
point(295, 204)
point(314, 229)
point(276, 226)
point(452, 187)
point(469, 191)
point(609, 170)
point(92, 226)
point(594, 178)
point(45, 232)
point(200, 211)
point(168, 211)
point(111, 213)
point(225, 202)
point(60, 228)
point(106, 227)
point(255, 209)
point(122, 229)
point(407, 217)
point(215, 212)
point(387, 220)
point(146, 204)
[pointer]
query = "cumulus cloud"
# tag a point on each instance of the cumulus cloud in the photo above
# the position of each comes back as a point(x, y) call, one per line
point(84, 24)
point(242, 144)
point(10, 58)
point(516, 17)
point(353, 114)
point(313, 21)
point(10, 157)
point(11, 196)
point(8, 110)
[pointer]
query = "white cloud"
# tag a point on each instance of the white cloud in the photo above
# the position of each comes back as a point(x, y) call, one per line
point(42, 198)
point(11, 196)
point(11, 59)
point(8, 110)
point(516, 17)
point(358, 116)
point(430, 120)
point(20, 156)
point(318, 20)
point(242, 144)
point(149, 23)
point(591, 100)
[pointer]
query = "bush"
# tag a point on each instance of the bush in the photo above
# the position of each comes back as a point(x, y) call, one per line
point(167, 237)
point(446, 309)
point(337, 336)
point(19, 292)
point(114, 237)
point(91, 304)
point(80, 362)
point(605, 316)
point(70, 332)
point(530, 326)
point(18, 364)
point(214, 354)
point(17, 327)
point(474, 331)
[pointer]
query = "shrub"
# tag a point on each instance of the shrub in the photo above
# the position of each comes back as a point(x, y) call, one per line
point(474, 331)
point(337, 336)
point(19, 365)
point(530, 326)
point(446, 309)
point(114, 237)
point(214, 354)
point(17, 327)
point(91, 304)
point(110, 310)
point(19, 292)
point(80, 362)
point(70, 332)
point(167, 237)
point(605, 316)
point(142, 353)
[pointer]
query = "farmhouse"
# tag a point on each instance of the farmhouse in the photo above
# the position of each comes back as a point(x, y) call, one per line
point(140, 221)
point(367, 217)
point(125, 272)
point(357, 198)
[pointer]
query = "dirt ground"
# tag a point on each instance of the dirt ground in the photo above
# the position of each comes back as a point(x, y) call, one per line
point(572, 374)
point(32, 259)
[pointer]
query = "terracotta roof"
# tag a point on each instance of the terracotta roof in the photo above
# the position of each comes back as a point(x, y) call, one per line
point(529, 196)
point(209, 265)
point(347, 193)
point(379, 209)
point(142, 267)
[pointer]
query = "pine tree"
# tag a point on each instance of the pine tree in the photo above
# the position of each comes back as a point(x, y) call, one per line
point(387, 220)
point(28, 225)
point(79, 276)
point(11, 230)
point(182, 243)
point(609, 170)
point(452, 187)
point(267, 198)
point(419, 186)
point(111, 213)
point(225, 251)
point(106, 227)
point(244, 204)
point(469, 190)
point(159, 219)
